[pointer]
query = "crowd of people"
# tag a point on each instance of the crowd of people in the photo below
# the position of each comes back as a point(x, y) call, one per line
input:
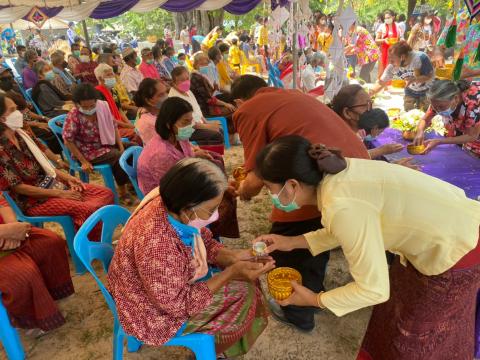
point(411, 240)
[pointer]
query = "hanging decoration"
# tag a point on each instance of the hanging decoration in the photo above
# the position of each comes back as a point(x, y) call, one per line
point(37, 16)
point(473, 7)
point(452, 33)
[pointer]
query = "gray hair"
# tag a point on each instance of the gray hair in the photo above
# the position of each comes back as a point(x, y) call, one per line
point(445, 90)
point(101, 69)
point(39, 66)
point(318, 57)
point(57, 58)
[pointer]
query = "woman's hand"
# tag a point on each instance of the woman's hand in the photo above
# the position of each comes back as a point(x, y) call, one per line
point(408, 162)
point(391, 148)
point(16, 231)
point(76, 185)
point(249, 271)
point(9, 244)
point(282, 243)
point(87, 167)
point(301, 296)
point(69, 195)
point(228, 106)
point(431, 144)
point(200, 153)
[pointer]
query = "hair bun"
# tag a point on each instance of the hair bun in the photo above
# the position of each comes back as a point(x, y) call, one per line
point(329, 160)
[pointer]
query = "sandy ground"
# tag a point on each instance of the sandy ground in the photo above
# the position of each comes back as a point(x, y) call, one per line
point(87, 335)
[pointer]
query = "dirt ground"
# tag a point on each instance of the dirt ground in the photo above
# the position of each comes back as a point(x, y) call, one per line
point(87, 334)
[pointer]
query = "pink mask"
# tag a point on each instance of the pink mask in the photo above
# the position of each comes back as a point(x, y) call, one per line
point(200, 223)
point(184, 86)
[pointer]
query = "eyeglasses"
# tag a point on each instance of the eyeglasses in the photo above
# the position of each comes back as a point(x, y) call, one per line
point(368, 105)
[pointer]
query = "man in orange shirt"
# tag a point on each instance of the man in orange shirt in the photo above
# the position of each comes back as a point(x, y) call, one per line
point(265, 114)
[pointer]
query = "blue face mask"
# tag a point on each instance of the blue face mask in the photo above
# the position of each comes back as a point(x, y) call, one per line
point(204, 70)
point(110, 82)
point(49, 75)
point(185, 232)
point(369, 138)
point(185, 133)
point(446, 113)
point(292, 206)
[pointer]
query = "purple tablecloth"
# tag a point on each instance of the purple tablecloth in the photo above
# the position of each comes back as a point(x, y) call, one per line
point(447, 162)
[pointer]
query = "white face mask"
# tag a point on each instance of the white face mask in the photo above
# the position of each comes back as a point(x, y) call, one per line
point(84, 58)
point(389, 21)
point(15, 120)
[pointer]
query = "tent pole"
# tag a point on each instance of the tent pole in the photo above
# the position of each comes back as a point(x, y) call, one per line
point(85, 32)
point(294, 46)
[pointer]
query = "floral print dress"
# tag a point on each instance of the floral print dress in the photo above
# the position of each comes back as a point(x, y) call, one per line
point(465, 117)
point(365, 47)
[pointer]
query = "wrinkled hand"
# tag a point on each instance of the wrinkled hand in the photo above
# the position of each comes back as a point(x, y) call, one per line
point(430, 145)
point(200, 153)
point(408, 162)
point(276, 242)
point(17, 231)
point(250, 271)
point(232, 188)
point(242, 194)
point(70, 195)
point(230, 107)
point(87, 167)
point(76, 185)
point(392, 148)
point(9, 244)
point(301, 296)
point(419, 138)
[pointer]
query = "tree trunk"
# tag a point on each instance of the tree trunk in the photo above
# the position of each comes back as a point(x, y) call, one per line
point(411, 7)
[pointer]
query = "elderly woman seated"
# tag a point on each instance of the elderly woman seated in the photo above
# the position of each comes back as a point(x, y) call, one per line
point(91, 134)
point(47, 96)
point(149, 98)
point(107, 80)
point(205, 133)
point(174, 128)
point(170, 226)
point(34, 272)
point(37, 187)
point(352, 104)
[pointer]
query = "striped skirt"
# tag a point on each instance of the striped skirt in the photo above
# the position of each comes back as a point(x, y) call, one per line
point(426, 317)
point(237, 317)
point(32, 277)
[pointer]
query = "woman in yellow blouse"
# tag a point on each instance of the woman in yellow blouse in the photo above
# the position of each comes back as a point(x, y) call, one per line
point(325, 39)
point(425, 303)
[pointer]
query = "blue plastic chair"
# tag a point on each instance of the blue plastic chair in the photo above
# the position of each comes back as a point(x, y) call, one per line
point(56, 125)
point(131, 155)
point(64, 220)
point(9, 336)
point(28, 95)
point(223, 121)
point(111, 216)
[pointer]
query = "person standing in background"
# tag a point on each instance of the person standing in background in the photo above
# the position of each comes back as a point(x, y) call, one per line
point(185, 39)
point(71, 33)
point(20, 64)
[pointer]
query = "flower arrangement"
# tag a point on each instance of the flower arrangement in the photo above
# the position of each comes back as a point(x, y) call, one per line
point(407, 123)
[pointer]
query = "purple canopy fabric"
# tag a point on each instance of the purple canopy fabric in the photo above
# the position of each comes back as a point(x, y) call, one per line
point(446, 162)
point(240, 7)
point(111, 9)
point(181, 5)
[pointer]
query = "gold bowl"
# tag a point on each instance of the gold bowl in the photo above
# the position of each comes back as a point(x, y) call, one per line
point(392, 41)
point(239, 174)
point(399, 83)
point(279, 282)
point(393, 112)
point(416, 149)
point(445, 73)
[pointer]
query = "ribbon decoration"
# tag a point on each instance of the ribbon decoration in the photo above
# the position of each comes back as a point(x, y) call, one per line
point(37, 16)
point(473, 7)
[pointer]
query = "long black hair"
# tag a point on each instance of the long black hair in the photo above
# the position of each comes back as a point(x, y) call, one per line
point(191, 182)
point(172, 109)
point(146, 90)
point(294, 157)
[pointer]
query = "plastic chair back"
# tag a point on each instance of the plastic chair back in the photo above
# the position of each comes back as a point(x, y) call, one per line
point(224, 123)
point(110, 216)
point(9, 336)
point(28, 93)
point(130, 156)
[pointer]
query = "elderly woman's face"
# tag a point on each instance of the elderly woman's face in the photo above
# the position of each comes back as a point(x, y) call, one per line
point(182, 77)
point(205, 210)
point(46, 69)
point(85, 51)
point(160, 94)
point(108, 74)
point(202, 61)
point(361, 104)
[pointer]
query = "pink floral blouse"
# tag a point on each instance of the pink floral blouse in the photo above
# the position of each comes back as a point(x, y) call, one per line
point(366, 49)
point(149, 273)
point(157, 157)
point(145, 126)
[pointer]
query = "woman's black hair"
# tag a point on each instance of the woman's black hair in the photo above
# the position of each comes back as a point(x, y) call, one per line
point(287, 158)
point(168, 50)
point(146, 90)
point(191, 182)
point(83, 92)
point(223, 47)
point(246, 86)
point(213, 52)
point(156, 52)
point(375, 118)
point(172, 109)
point(177, 71)
point(3, 105)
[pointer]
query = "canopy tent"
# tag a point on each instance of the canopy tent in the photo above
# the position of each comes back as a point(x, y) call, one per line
point(50, 24)
point(75, 10)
